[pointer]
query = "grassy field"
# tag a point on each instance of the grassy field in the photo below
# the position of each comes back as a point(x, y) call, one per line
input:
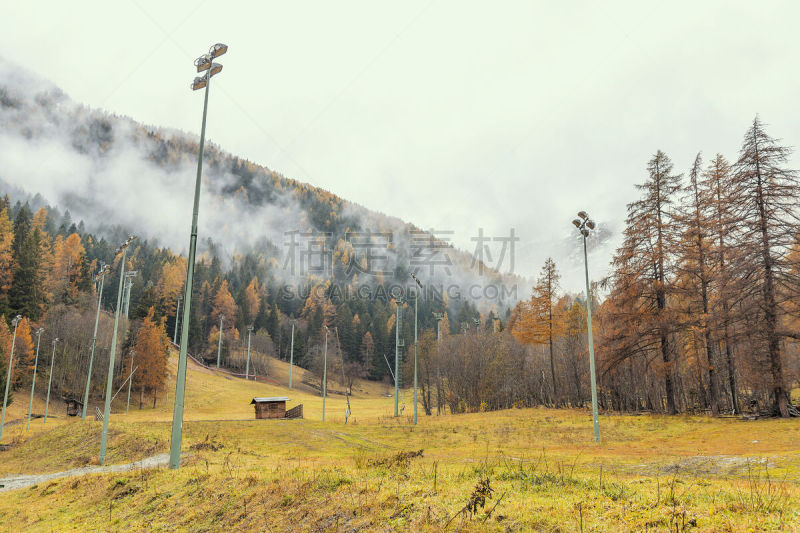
point(516, 470)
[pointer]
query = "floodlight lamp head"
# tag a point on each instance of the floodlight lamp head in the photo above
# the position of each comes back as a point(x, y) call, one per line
point(583, 215)
point(217, 50)
point(199, 82)
point(40, 331)
point(216, 68)
point(590, 224)
point(203, 62)
point(56, 340)
point(577, 223)
point(16, 320)
point(585, 232)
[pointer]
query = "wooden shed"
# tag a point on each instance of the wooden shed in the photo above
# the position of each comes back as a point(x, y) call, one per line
point(74, 407)
point(273, 407)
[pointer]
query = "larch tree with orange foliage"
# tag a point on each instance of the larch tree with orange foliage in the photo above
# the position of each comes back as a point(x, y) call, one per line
point(151, 358)
point(539, 321)
point(766, 194)
point(696, 279)
point(68, 270)
point(643, 278)
point(23, 354)
point(6, 258)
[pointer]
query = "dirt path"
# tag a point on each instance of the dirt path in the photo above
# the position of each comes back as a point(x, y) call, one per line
point(21, 482)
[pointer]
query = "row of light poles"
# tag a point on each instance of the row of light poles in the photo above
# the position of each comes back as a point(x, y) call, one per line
point(39, 332)
point(205, 64)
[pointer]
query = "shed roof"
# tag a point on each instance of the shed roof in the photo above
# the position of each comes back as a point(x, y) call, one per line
point(270, 399)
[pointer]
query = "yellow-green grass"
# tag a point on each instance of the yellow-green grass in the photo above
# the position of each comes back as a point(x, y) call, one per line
point(649, 472)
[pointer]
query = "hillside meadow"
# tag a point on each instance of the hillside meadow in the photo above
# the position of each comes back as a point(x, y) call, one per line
point(514, 470)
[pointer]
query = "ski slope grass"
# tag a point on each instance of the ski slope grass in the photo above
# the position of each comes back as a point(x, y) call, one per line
point(544, 471)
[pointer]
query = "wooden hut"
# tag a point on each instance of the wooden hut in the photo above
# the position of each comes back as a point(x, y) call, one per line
point(74, 407)
point(274, 407)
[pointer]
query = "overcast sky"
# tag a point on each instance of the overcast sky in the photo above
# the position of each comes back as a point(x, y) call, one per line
point(452, 115)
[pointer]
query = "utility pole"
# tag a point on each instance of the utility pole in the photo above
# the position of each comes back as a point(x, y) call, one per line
point(15, 323)
point(50, 381)
point(325, 374)
point(203, 63)
point(101, 276)
point(219, 343)
point(291, 356)
point(438, 317)
point(584, 224)
point(247, 370)
point(110, 379)
point(33, 383)
point(130, 381)
point(177, 315)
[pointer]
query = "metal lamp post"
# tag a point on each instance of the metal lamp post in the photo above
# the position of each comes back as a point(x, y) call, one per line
point(247, 369)
point(397, 302)
point(130, 382)
point(416, 300)
point(35, 367)
point(50, 380)
point(219, 343)
point(438, 317)
point(291, 356)
point(584, 225)
point(203, 63)
point(100, 277)
point(110, 379)
point(15, 322)
point(325, 374)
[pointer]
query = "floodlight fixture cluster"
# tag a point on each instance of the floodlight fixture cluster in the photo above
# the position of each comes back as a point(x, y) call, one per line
point(205, 63)
point(584, 223)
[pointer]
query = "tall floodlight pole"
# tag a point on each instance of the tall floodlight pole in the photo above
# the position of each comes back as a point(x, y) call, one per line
point(438, 317)
point(104, 269)
point(33, 383)
point(130, 381)
point(247, 371)
point(203, 63)
point(50, 381)
point(584, 225)
point(219, 342)
point(15, 322)
point(416, 300)
point(110, 379)
point(291, 356)
point(177, 314)
point(325, 374)
point(397, 302)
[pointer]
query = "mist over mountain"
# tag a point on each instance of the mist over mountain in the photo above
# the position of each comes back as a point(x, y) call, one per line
point(115, 174)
